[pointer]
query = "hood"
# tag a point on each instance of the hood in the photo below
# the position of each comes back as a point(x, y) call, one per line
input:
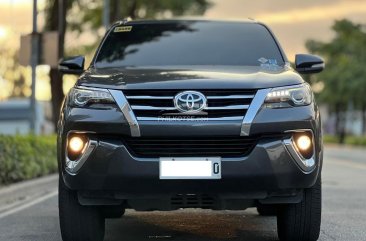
point(196, 77)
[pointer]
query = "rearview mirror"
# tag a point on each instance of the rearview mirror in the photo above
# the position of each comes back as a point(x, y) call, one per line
point(308, 64)
point(72, 65)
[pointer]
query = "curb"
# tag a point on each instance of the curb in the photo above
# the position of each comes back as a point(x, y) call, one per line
point(26, 184)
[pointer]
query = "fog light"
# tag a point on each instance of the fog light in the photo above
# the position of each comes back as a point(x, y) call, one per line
point(303, 142)
point(76, 146)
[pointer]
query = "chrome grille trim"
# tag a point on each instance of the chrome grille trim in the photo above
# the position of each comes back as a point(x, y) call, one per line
point(142, 97)
point(230, 97)
point(145, 107)
point(228, 118)
point(254, 108)
point(228, 107)
point(124, 106)
point(222, 105)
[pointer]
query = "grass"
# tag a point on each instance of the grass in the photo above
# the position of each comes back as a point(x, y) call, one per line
point(349, 140)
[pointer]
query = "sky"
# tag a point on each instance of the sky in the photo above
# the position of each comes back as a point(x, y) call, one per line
point(292, 21)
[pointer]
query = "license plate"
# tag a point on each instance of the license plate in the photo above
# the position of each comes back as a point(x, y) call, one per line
point(190, 168)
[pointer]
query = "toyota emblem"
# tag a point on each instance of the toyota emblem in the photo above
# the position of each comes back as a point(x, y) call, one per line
point(190, 101)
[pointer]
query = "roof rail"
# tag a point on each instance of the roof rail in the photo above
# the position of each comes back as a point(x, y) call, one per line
point(253, 19)
point(124, 21)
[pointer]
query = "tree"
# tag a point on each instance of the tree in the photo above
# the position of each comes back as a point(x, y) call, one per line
point(53, 23)
point(344, 79)
point(13, 73)
point(88, 17)
point(141, 9)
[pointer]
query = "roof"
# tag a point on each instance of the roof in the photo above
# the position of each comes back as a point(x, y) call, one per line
point(183, 19)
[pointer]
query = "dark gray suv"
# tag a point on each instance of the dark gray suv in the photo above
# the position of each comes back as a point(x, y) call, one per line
point(178, 114)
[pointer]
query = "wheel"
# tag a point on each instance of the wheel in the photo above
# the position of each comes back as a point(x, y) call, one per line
point(77, 222)
point(301, 221)
point(267, 210)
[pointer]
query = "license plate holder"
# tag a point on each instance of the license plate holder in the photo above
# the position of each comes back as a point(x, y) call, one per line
point(190, 168)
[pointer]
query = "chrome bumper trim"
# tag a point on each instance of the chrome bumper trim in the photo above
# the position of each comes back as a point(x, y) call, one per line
point(307, 165)
point(72, 167)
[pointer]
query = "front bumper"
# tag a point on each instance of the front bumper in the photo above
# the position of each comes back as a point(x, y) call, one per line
point(270, 171)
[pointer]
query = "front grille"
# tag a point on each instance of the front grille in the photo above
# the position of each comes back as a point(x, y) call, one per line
point(186, 147)
point(221, 104)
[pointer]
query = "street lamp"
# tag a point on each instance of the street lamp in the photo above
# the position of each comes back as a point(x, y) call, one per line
point(34, 62)
point(106, 14)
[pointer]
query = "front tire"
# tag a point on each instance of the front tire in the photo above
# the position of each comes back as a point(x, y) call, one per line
point(77, 222)
point(301, 221)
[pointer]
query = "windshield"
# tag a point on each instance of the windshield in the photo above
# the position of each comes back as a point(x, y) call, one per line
point(188, 43)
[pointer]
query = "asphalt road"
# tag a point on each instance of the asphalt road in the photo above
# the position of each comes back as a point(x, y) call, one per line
point(344, 213)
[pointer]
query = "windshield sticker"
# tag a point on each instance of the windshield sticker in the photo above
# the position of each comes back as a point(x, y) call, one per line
point(123, 29)
point(268, 63)
point(263, 60)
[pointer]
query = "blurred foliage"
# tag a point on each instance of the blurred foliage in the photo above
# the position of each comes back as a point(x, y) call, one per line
point(85, 16)
point(26, 157)
point(345, 56)
point(348, 140)
point(344, 80)
point(90, 14)
point(52, 10)
point(13, 74)
point(356, 140)
point(330, 139)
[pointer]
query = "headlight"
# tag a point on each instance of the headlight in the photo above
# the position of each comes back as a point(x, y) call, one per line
point(283, 97)
point(87, 96)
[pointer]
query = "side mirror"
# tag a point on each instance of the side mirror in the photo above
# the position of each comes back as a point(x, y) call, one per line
point(72, 65)
point(309, 64)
